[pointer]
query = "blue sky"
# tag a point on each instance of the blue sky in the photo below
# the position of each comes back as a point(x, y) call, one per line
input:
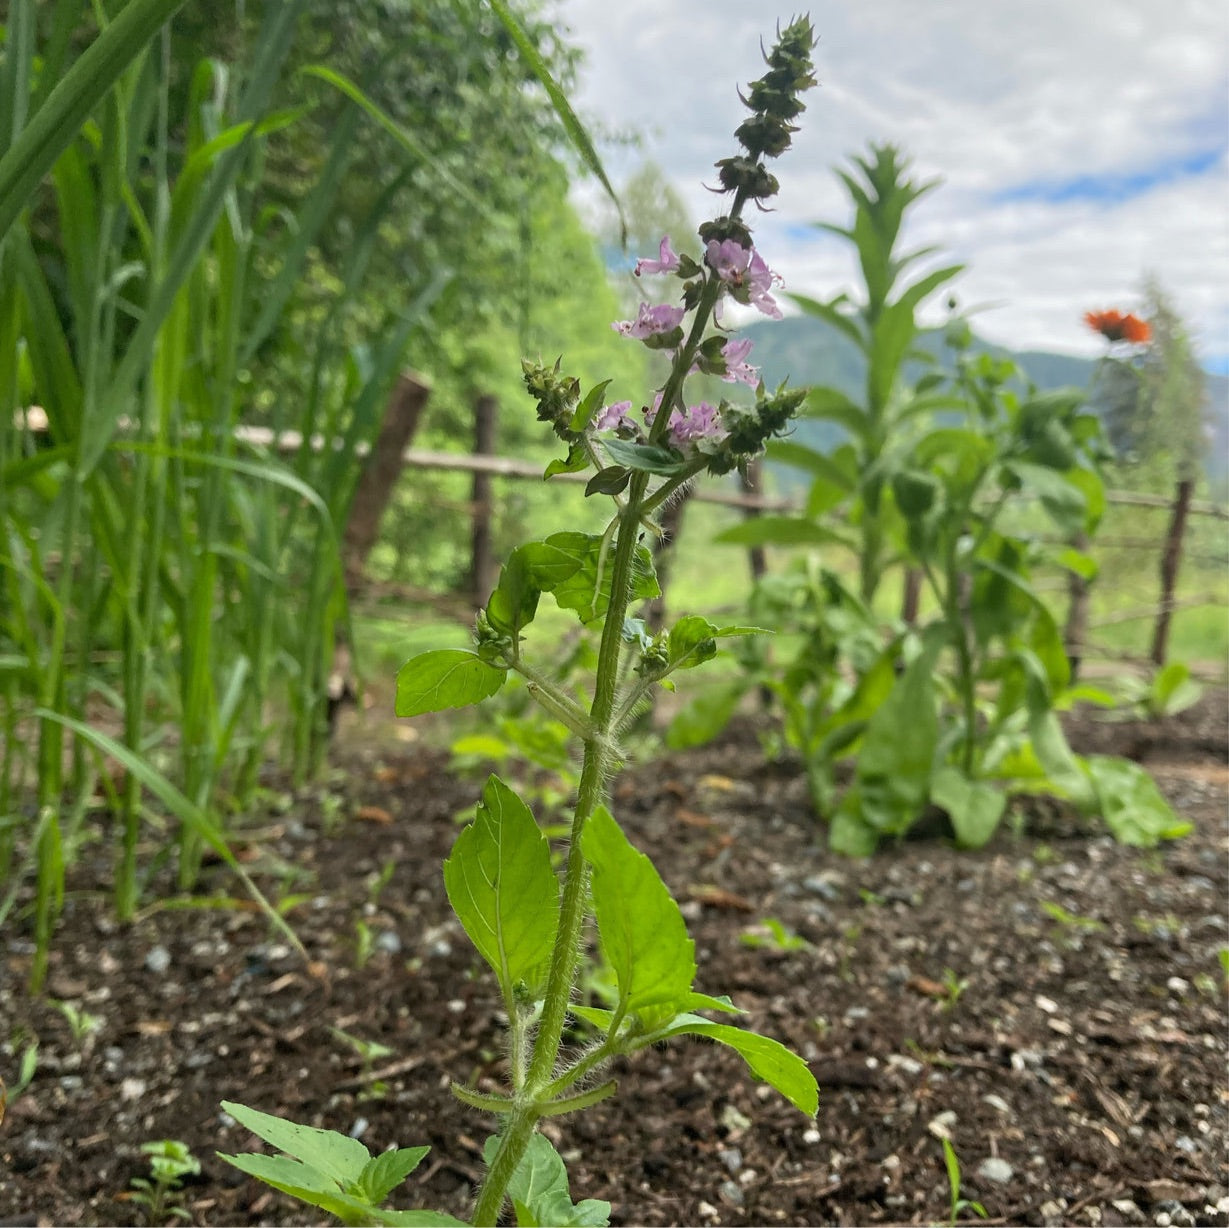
point(1081, 144)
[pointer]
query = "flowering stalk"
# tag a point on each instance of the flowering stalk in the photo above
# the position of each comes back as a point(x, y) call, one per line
point(716, 440)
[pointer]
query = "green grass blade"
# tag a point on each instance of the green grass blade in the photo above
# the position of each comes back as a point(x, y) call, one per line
point(188, 813)
point(55, 124)
point(567, 117)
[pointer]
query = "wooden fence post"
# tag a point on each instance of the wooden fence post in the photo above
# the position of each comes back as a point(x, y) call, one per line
point(1171, 558)
point(482, 563)
point(1075, 632)
point(379, 475)
point(750, 481)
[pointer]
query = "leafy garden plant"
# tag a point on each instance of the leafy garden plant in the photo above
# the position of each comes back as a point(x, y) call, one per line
point(956, 475)
point(499, 878)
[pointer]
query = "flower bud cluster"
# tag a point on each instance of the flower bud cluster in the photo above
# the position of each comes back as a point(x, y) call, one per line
point(557, 396)
point(748, 430)
point(773, 101)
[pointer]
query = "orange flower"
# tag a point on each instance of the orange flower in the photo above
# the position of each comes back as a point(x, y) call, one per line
point(1114, 326)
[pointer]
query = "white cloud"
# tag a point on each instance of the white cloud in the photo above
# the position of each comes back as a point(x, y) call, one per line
point(991, 96)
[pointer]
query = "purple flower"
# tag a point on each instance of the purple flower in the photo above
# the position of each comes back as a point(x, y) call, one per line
point(728, 259)
point(613, 417)
point(760, 280)
point(688, 426)
point(666, 262)
point(650, 321)
point(737, 370)
point(743, 270)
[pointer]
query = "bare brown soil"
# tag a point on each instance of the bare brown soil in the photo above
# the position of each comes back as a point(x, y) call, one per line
point(1075, 1054)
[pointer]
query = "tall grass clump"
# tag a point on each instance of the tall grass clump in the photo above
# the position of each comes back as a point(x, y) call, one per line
point(169, 596)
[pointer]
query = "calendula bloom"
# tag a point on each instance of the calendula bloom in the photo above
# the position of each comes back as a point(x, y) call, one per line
point(650, 321)
point(613, 417)
point(737, 369)
point(1115, 326)
point(666, 262)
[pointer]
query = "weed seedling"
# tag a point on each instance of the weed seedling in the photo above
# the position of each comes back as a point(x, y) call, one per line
point(958, 1204)
point(80, 1022)
point(364, 944)
point(169, 1162)
point(954, 986)
point(369, 1052)
point(772, 934)
point(1069, 923)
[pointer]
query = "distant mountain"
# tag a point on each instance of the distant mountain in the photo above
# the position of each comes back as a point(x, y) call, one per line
point(807, 351)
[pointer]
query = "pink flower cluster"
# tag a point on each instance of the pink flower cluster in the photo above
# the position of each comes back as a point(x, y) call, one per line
point(696, 422)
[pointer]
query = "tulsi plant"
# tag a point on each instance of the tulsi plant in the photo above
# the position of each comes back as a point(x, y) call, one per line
point(499, 878)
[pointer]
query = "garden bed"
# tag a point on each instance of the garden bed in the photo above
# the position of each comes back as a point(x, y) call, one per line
point(1053, 1003)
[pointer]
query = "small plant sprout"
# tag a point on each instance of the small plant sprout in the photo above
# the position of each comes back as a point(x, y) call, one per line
point(527, 918)
point(364, 944)
point(1069, 920)
point(957, 1204)
point(369, 1052)
point(772, 934)
point(1222, 956)
point(170, 1162)
point(80, 1022)
point(953, 986)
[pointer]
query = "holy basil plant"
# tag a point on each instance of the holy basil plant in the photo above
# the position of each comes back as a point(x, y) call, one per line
point(501, 881)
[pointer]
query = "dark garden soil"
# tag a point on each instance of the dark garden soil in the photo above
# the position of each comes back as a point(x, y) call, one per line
point(1075, 1054)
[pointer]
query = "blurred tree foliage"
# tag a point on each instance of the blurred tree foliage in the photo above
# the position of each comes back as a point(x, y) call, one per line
point(484, 199)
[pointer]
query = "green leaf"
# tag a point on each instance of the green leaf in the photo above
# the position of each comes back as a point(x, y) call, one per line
point(539, 1188)
point(612, 480)
point(577, 459)
point(693, 640)
point(648, 458)
point(766, 1058)
point(818, 464)
point(1064, 501)
point(849, 833)
point(974, 807)
point(781, 531)
point(336, 1157)
point(643, 935)
point(445, 678)
point(702, 719)
point(501, 886)
point(383, 1173)
point(589, 406)
point(898, 748)
point(1130, 803)
point(581, 592)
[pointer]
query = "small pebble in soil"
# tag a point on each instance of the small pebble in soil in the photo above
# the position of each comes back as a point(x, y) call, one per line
point(941, 1126)
point(992, 1168)
point(733, 1120)
point(996, 1102)
point(359, 1128)
point(1128, 1211)
point(132, 1089)
point(388, 940)
point(731, 1194)
point(456, 1006)
point(1052, 1212)
point(708, 1211)
point(811, 1135)
point(1178, 987)
point(731, 1157)
point(158, 960)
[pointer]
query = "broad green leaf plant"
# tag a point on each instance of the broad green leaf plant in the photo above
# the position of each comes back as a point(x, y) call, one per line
point(500, 880)
point(957, 474)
